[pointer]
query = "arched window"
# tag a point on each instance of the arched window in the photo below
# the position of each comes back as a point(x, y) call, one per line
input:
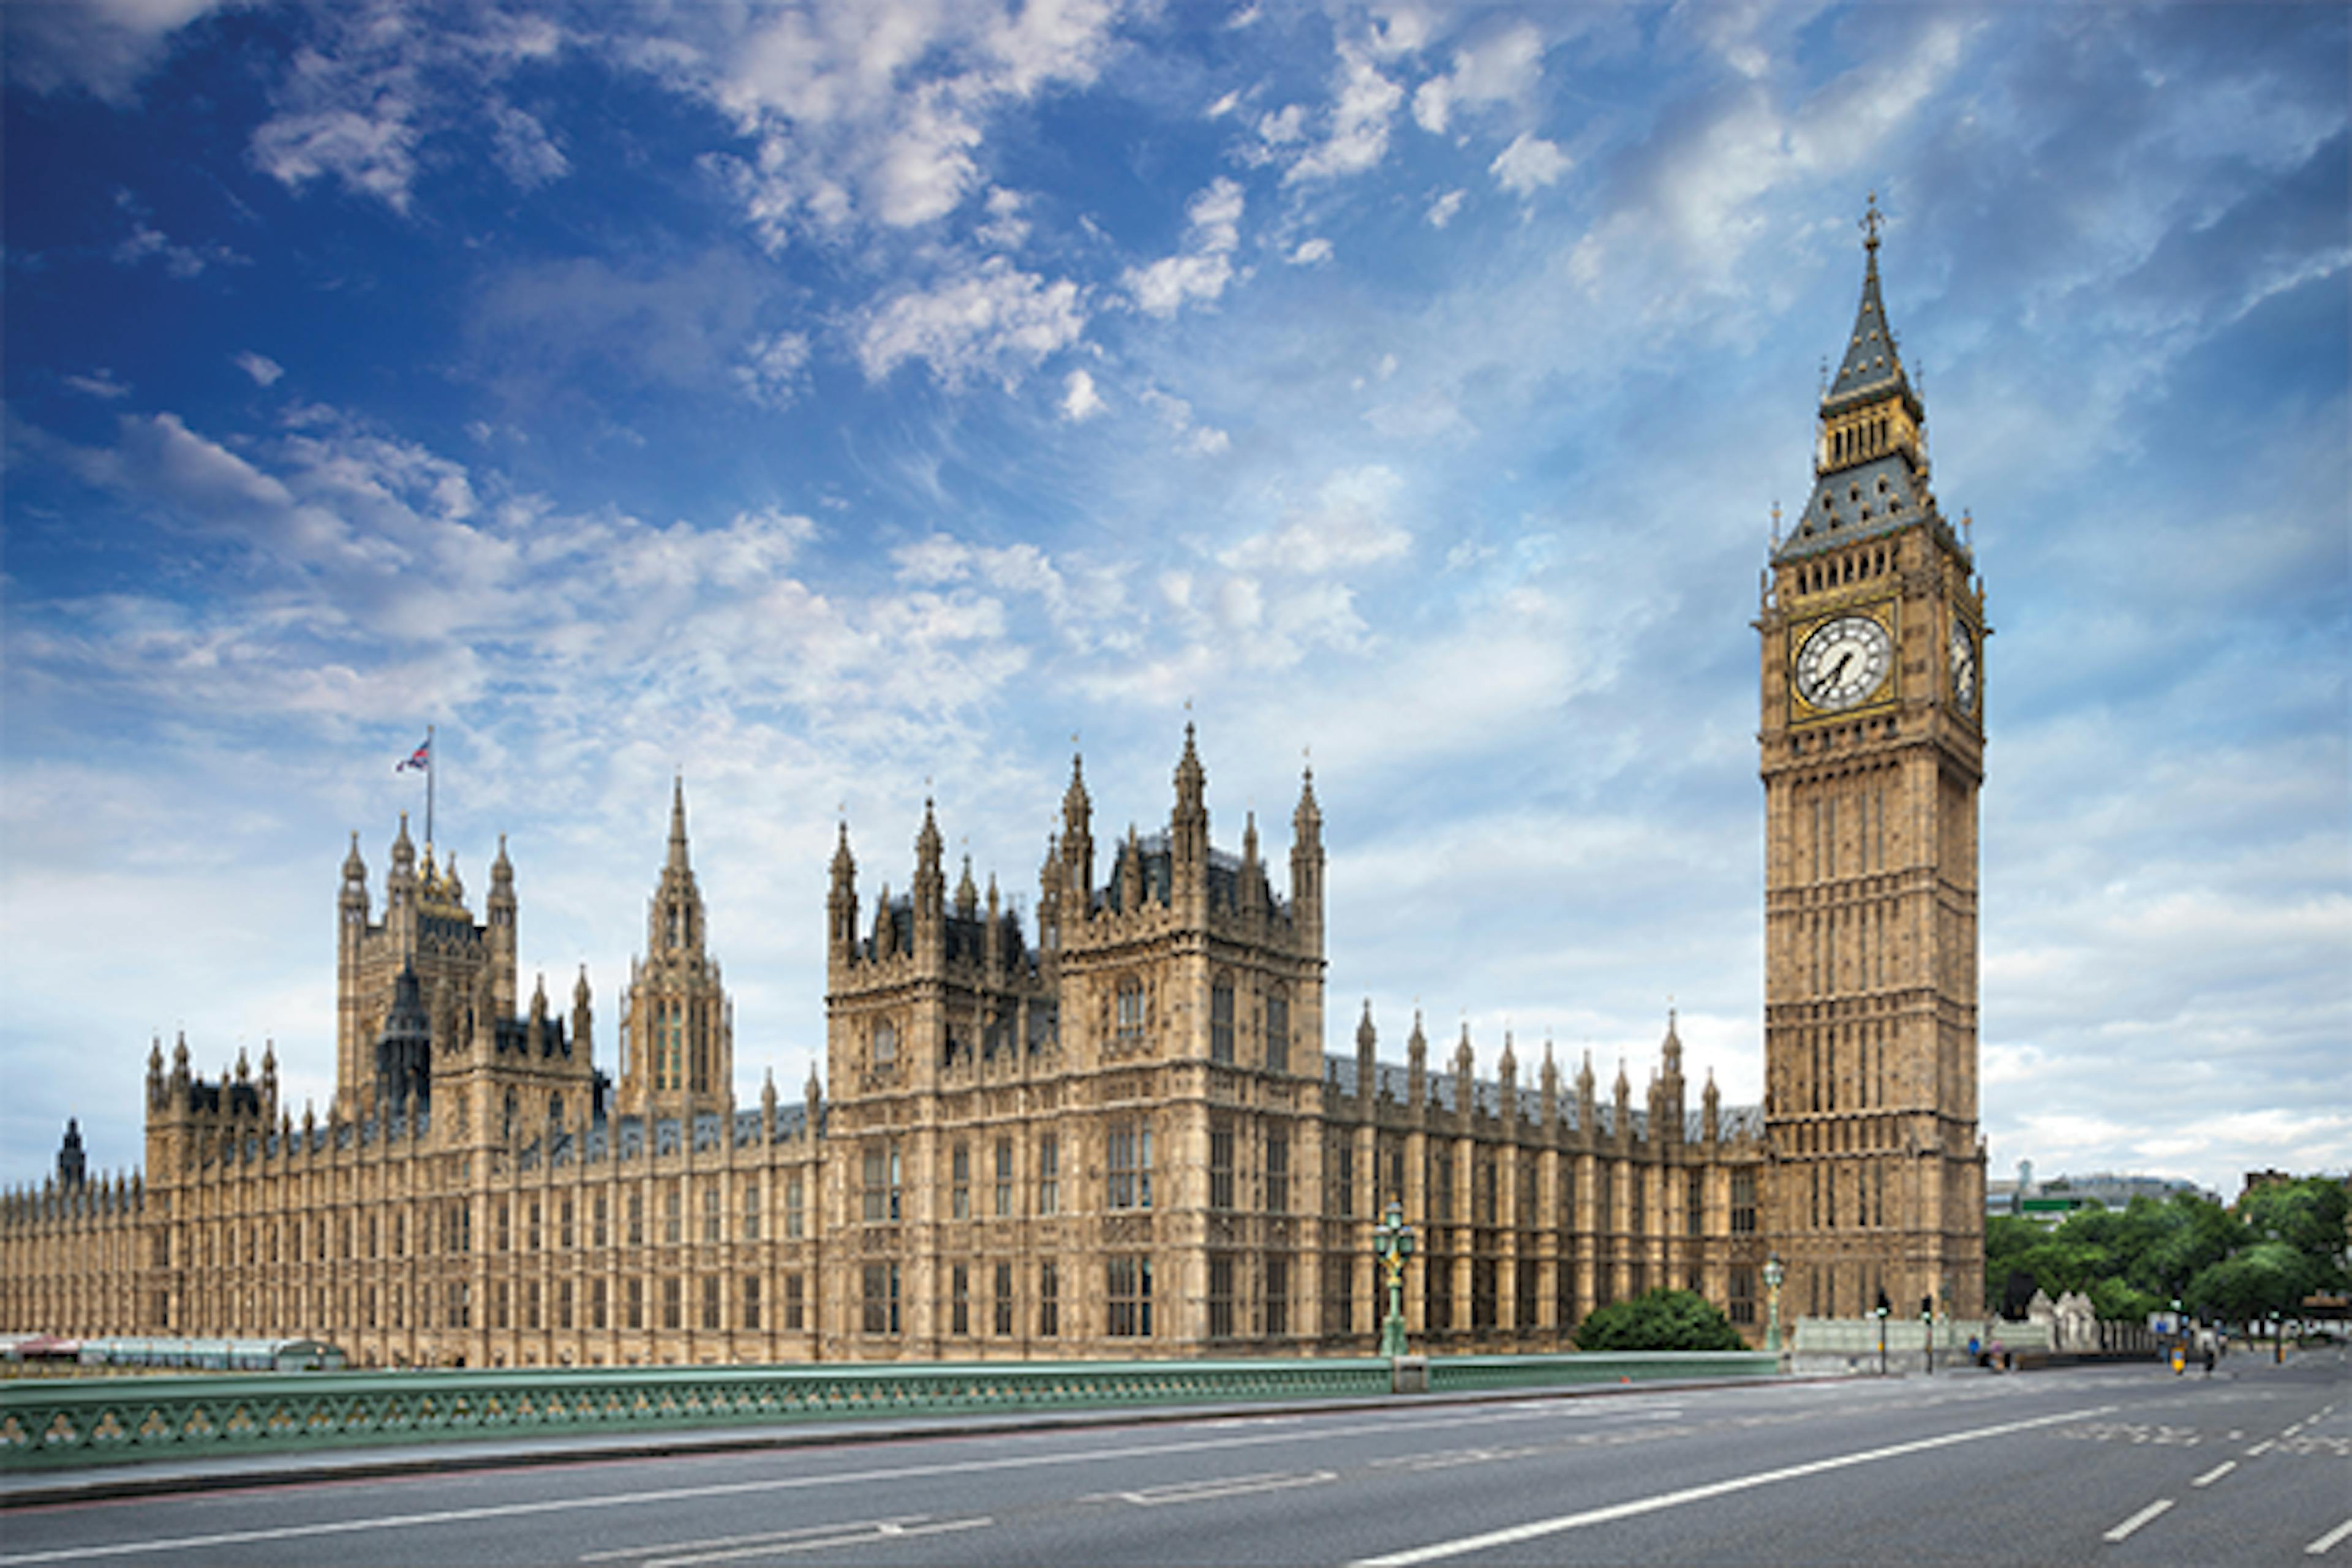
point(1277, 1029)
point(513, 1109)
point(1129, 1022)
point(883, 1052)
point(1221, 1020)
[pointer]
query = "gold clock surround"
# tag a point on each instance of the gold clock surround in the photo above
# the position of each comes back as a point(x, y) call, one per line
point(1886, 613)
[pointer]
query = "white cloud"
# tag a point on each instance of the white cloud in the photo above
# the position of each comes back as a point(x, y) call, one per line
point(1503, 67)
point(1223, 106)
point(1529, 165)
point(1357, 136)
point(99, 383)
point(524, 149)
point(264, 370)
point(1441, 210)
point(1200, 440)
point(877, 112)
point(1006, 227)
point(145, 240)
point(1311, 252)
point(103, 47)
point(1200, 271)
point(1080, 401)
point(1348, 525)
point(770, 372)
point(993, 320)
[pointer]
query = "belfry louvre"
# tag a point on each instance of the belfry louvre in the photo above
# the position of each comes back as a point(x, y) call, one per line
point(1119, 1138)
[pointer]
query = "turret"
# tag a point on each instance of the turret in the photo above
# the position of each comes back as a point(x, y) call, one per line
point(1506, 1082)
point(351, 904)
point(155, 1090)
point(583, 1019)
point(1623, 1097)
point(841, 899)
point(1466, 1081)
point(1416, 1066)
point(1710, 1109)
point(1077, 844)
point(1586, 1120)
point(1367, 1065)
point(501, 911)
point(1188, 830)
point(73, 1166)
point(967, 893)
point(931, 892)
point(1547, 1106)
point(400, 882)
point(1306, 866)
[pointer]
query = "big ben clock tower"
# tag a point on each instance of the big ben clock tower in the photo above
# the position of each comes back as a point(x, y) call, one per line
point(1873, 752)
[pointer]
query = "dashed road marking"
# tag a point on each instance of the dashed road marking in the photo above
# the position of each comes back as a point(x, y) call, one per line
point(2136, 1520)
point(2215, 1474)
point(2320, 1547)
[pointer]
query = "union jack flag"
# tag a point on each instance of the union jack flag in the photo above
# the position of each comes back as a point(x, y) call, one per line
point(420, 758)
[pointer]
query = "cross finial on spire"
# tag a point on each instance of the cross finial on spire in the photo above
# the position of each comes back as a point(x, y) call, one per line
point(1872, 218)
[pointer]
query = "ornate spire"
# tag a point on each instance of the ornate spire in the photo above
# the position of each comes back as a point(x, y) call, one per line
point(1872, 366)
point(1077, 807)
point(1871, 464)
point(844, 864)
point(1307, 820)
point(967, 896)
point(1191, 780)
point(926, 842)
point(677, 849)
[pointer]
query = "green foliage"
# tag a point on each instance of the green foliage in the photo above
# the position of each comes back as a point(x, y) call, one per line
point(1659, 1320)
point(2288, 1242)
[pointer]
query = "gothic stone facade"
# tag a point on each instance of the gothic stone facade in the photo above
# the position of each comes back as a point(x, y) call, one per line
point(1123, 1137)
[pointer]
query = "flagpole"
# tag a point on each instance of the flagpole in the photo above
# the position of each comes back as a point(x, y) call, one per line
point(428, 783)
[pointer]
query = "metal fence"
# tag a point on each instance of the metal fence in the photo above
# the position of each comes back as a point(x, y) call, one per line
point(48, 1424)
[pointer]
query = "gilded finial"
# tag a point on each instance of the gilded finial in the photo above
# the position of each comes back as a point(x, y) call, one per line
point(1872, 218)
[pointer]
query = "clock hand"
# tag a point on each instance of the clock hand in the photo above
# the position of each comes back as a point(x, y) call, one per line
point(1837, 670)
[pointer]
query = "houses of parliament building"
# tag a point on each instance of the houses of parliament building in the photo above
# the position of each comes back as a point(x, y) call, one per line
point(1118, 1134)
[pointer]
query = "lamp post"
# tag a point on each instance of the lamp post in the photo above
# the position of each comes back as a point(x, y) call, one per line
point(1773, 1275)
point(1392, 1244)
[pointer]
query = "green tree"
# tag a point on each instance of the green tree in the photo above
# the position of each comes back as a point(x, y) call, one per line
point(1659, 1320)
point(2308, 1216)
point(2268, 1277)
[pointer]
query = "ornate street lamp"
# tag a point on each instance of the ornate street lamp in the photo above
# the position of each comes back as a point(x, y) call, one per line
point(1773, 1275)
point(1392, 1244)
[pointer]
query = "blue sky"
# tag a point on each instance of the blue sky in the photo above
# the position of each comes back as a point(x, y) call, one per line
point(847, 402)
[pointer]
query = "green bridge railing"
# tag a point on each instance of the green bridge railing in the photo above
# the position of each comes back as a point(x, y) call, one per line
point(45, 1425)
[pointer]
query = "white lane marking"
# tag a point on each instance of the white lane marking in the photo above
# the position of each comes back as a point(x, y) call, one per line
point(1376, 1428)
point(1543, 1527)
point(2264, 1447)
point(2215, 1474)
point(2136, 1520)
point(623, 1554)
point(2321, 1547)
point(861, 1538)
point(1178, 1492)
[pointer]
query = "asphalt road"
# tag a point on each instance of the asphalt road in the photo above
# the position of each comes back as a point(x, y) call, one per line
point(2126, 1465)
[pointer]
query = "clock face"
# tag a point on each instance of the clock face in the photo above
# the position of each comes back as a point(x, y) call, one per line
point(1843, 661)
point(1964, 667)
